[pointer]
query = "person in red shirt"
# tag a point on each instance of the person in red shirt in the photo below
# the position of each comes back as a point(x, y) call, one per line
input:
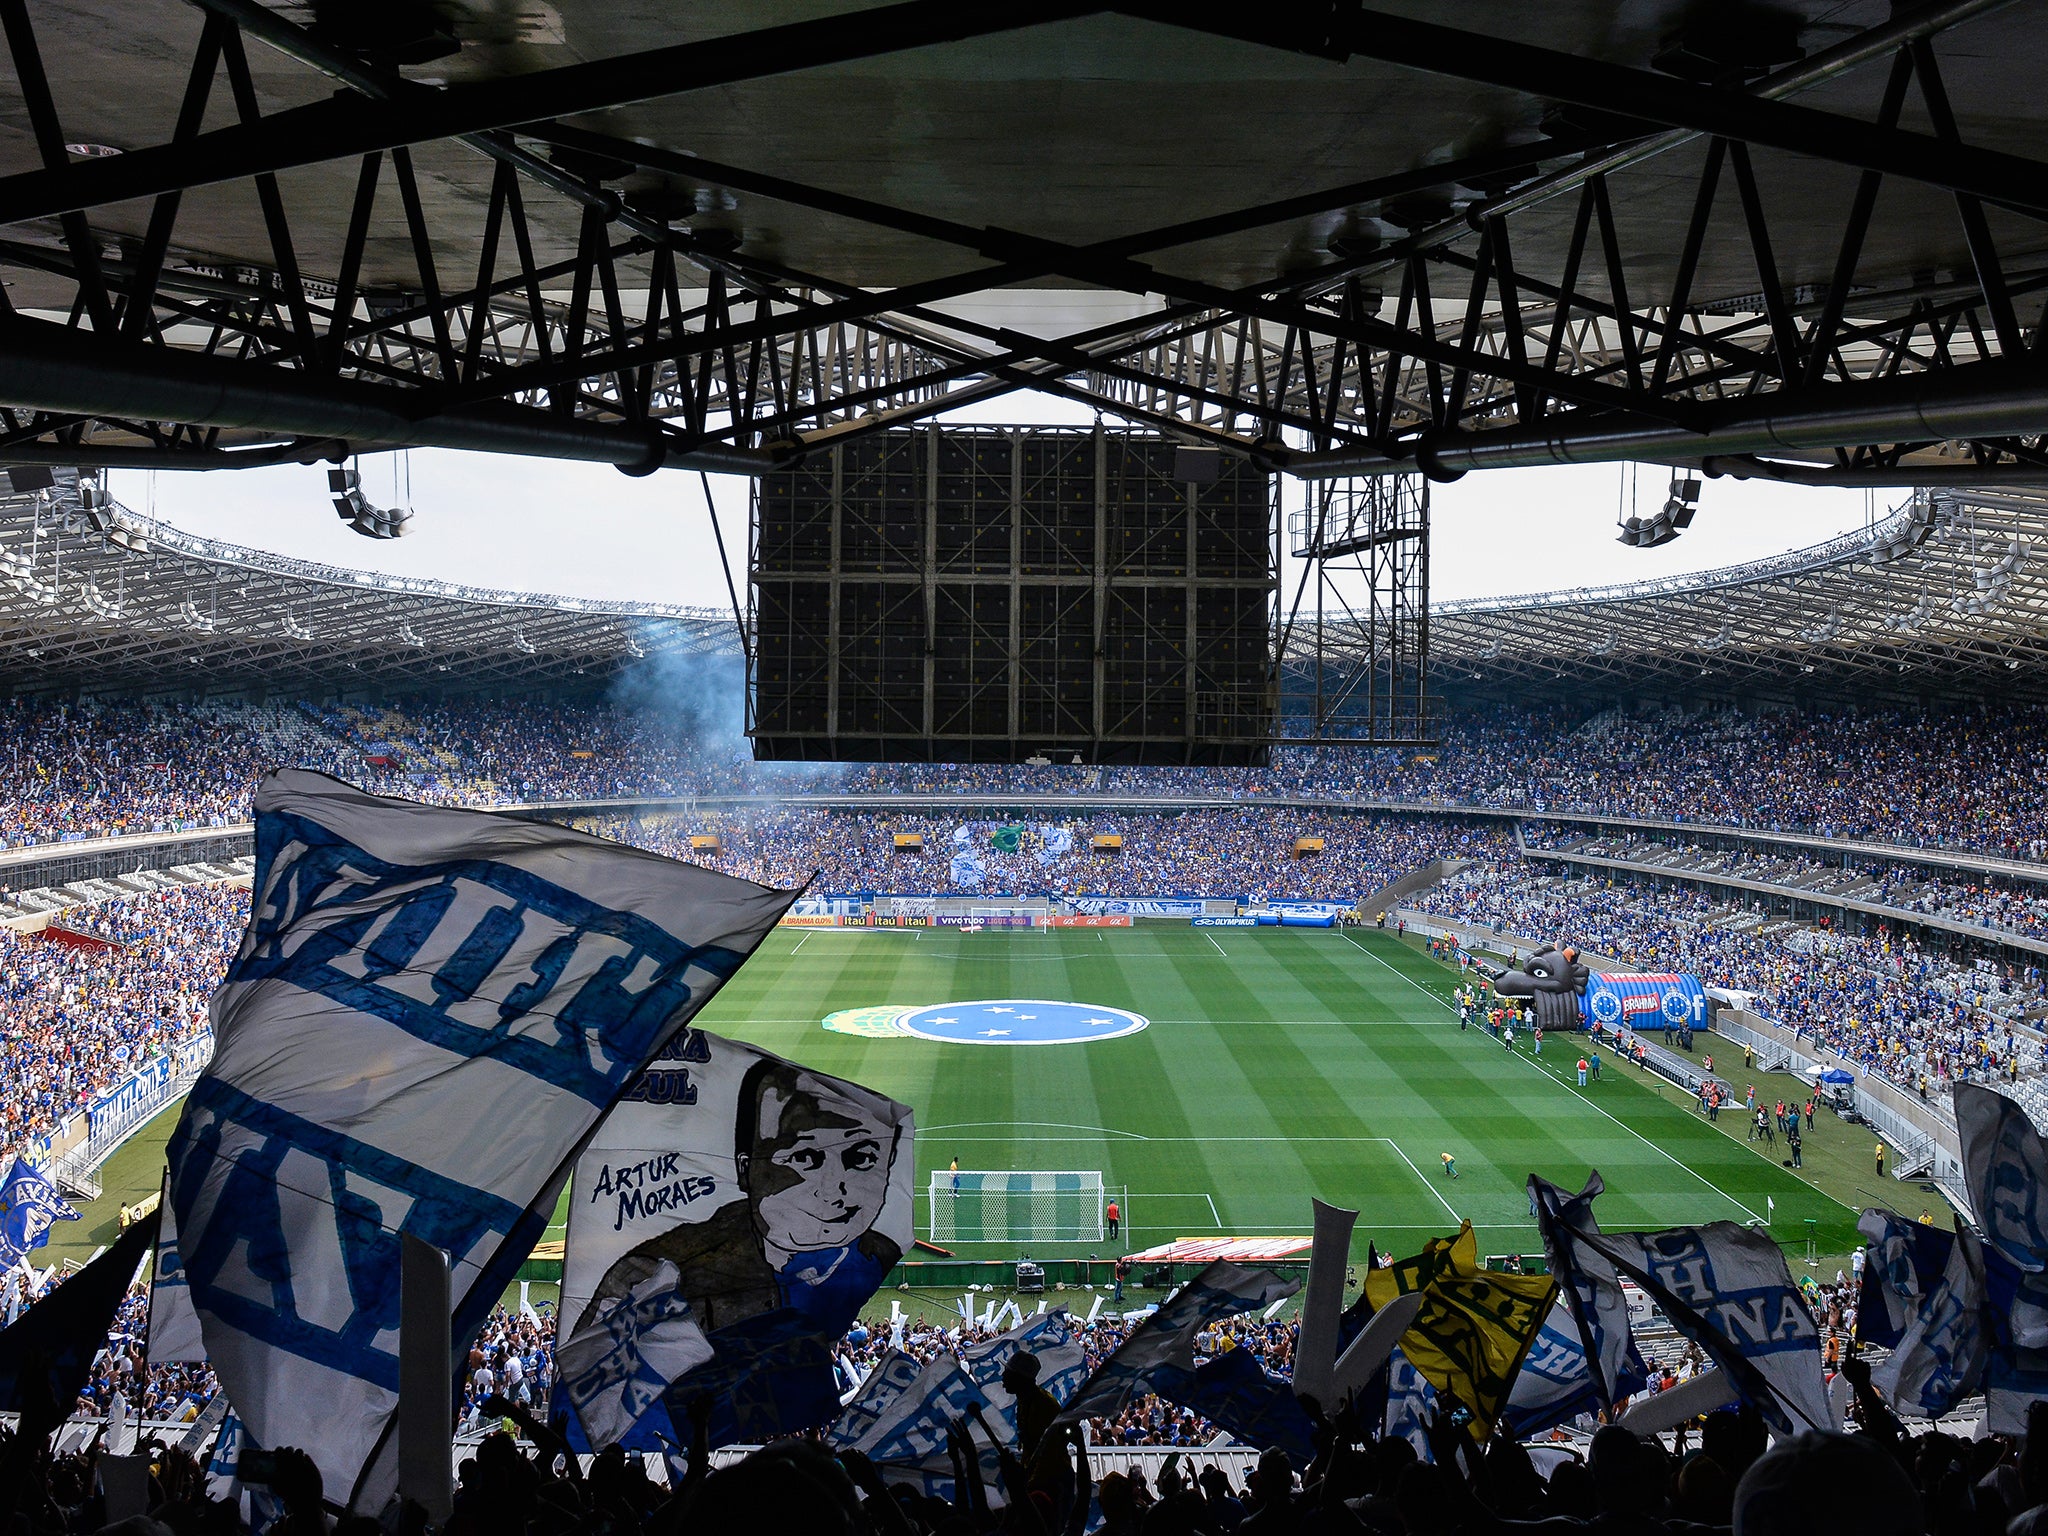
point(1111, 1216)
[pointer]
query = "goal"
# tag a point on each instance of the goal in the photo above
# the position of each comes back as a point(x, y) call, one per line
point(987, 1207)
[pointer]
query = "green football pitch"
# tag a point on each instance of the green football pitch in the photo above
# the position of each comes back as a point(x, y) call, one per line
point(1279, 1065)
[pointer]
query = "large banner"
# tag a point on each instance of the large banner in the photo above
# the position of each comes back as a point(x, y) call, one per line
point(826, 906)
point(1103, 920)
point(726, 1223)
point(1139, 906)
point(145, 1088)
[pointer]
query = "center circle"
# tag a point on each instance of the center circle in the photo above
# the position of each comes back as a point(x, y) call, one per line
point(1019, 1021)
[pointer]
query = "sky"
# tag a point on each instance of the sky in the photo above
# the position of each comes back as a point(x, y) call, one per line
point(583, 530)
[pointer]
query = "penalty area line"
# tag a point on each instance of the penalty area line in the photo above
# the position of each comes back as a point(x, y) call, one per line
point(1426, 1184)
point(1583, 1098)
point(1219, 948)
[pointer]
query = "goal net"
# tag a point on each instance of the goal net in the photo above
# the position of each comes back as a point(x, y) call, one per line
point(982, 1207)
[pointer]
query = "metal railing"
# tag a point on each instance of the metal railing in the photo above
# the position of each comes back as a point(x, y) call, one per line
point(77, 1169)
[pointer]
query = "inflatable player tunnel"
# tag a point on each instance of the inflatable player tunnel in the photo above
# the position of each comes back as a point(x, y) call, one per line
point(1643, 1001)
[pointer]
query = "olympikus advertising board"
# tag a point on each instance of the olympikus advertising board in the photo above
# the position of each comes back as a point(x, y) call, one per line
point(1640, 1000)
point(1224, 922)
point(727, 1222)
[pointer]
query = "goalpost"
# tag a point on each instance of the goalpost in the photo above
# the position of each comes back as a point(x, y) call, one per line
point(990, 1207)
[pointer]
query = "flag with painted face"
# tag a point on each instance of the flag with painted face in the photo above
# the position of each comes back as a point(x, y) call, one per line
point(29, 1206)
point(429, 1012)
point(726, 1223)
point(1932, 1288)
point(899, 1418)
point(1727, 1289)
point(1591, 1289)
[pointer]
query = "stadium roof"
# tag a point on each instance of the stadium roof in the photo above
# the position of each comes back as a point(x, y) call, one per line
point(1451, 234)
point(93, 595)
point(1947, 595)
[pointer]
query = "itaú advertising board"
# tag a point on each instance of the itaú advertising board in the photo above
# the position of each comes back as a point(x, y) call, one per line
point(1640, 1000)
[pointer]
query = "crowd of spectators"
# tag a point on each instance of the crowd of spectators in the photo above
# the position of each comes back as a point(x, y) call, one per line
point(1428, 1478)
point(1987, 901)
point(1245, 852)
point(1970, 780)
point(105, 769)
point(1146, 1420)
point(170, 1393)
point(513, 1358)
point(79, 1019)
point(1881, 1002)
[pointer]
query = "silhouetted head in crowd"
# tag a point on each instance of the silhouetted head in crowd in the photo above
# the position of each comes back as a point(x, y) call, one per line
point(1821, 1482)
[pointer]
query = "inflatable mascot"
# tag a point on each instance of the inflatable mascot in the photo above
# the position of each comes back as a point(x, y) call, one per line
point(1552, 981)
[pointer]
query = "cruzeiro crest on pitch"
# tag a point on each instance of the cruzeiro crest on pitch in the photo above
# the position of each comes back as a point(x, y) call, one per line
point(1019, 1021)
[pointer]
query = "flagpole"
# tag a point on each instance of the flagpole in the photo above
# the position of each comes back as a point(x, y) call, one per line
point(426, 1380)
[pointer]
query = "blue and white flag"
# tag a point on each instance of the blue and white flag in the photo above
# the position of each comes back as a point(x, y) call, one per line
point(29, 1206)
point(1411, 1403)
point(965, 871)
point(429, 1013)
point(1235, 1392)
point(899, 1418)
point(727, 1222)
point(174, 1332)
point(1556, 1383)
point(1590, 1289)
point(1159, 1354)
point(1727, 1289)
point(2016, 1368)
point(1931, 1284)
point(2005, 1161)
point(1055, 840)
